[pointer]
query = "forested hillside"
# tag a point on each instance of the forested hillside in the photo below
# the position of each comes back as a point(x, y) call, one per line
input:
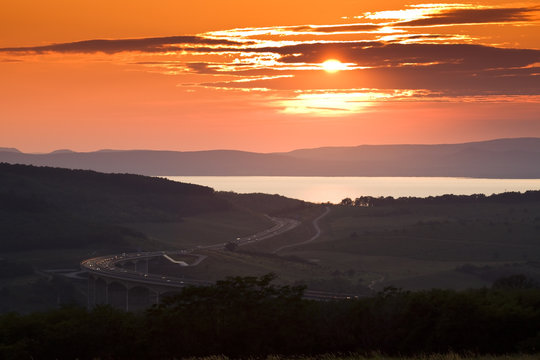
point(44, 207)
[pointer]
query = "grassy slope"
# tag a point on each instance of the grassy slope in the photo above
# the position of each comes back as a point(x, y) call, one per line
point(257, 259)
point(220, 264)
point(204, 229)
point(417, 246)
point(48, 208)
point(421, 246)
point(245, 217)
point(54, 218)
point(251, 259)
point(414, 247)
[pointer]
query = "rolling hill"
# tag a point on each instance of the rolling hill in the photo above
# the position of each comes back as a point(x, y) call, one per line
point(44, 207)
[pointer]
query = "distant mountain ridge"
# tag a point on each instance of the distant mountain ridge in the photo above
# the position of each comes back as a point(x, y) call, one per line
point(9, 149)
point(500, 158)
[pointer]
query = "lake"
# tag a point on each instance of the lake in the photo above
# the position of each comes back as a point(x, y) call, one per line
point(334, 189)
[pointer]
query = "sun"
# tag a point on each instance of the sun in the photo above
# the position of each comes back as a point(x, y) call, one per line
point(333, 66)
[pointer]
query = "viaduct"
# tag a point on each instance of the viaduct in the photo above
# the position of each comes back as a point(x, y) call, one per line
point(123, 281)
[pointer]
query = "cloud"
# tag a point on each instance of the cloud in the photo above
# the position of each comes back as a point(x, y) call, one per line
point(386, 55)
point(449, 69)
point(335, 28)
point(434, 79)
point(380, 54)
point(434, 16)
point(150, 45)
point(472, 16)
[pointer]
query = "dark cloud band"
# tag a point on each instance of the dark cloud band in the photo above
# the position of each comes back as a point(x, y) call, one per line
point(152, 45)
point(337, 28)
point(473, 16)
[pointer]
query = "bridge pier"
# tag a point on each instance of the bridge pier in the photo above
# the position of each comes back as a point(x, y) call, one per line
point(123, 281)
point(125, 295)
point(154, 297)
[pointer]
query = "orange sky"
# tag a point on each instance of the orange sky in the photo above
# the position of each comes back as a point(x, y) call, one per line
point(247, 76)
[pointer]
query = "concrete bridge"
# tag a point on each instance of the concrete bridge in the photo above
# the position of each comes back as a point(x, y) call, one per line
point(123, 281)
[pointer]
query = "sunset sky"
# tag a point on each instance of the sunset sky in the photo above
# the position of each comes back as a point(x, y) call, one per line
point(265, 76)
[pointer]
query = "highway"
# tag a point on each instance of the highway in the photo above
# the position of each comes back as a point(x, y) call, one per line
point(109, 266)
point(281, 225)
point(317, 233)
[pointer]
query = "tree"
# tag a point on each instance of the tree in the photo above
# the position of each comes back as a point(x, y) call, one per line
point(238, 316)
point(518, 281)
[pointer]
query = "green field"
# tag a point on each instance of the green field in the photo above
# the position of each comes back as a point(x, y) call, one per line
point(360, 250)
point(427, 246)
point(55, 218)
point(221, 264)
point(205, 229)
point(364, 249)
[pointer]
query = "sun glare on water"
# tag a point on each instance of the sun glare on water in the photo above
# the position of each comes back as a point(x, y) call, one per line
point(333, 66)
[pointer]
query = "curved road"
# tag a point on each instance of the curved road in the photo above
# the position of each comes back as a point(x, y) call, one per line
point(108, 265)
point(317, 233)
point(281, 226)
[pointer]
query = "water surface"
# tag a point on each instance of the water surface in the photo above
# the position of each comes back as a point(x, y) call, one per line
point(334, 189)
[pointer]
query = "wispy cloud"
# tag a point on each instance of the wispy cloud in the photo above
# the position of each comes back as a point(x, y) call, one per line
point(394, 54)
point(459, 16)
point(150, 45)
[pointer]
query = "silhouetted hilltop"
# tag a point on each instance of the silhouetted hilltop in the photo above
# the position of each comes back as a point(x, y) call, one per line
point(5, 149)
point(62, 151)
point(44, 207)
point(502, 158)
point(275, 205)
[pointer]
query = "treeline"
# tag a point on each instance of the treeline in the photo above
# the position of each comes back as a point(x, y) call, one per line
point(43, 207)
point(274, 205)
point(100, 196)
point(251, 317)
point(506, 197)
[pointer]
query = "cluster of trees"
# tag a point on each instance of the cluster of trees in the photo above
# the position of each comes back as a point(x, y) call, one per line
point(102, 197)
point(507, 197)
point(274, 205)
point(246, 317)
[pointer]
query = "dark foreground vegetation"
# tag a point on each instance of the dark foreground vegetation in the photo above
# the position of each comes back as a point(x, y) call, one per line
point(251, 317)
